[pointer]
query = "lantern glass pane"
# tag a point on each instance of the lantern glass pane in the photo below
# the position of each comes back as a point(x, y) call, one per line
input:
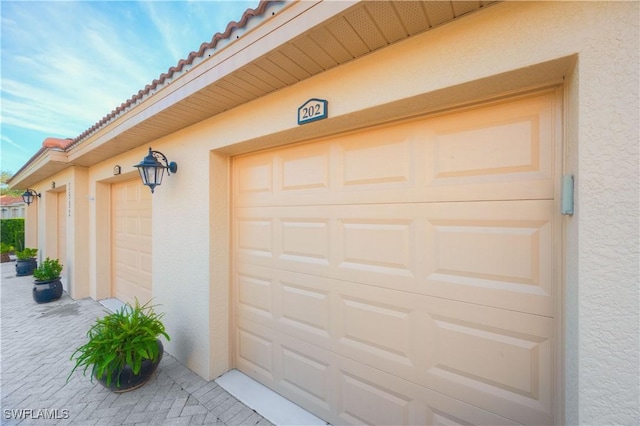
point(159, 173)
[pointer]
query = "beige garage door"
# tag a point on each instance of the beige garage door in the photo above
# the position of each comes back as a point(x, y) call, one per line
point(406, 274)
point(131, 241)
point(61, 241)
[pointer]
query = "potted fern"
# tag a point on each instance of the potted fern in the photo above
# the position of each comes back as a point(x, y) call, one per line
point(47, 285)
point(124, 348)
point(26, 261)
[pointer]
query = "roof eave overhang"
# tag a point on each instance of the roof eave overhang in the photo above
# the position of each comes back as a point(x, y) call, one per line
point(242, 48)
point(185, 98)
point(46, 163)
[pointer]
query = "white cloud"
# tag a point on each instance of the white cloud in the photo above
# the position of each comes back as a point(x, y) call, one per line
point(65, 65)
point(14, 145)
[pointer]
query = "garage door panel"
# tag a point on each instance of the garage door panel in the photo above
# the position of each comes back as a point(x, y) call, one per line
point(481, 152)
point(298, 303)
point(305, 308)
point(382, 334)
point(255, 236)
point(494, 359)
point(498, 254)
point(343, 390)
point(304, 170)
point(377, 245)
point(305, 240)
point(515, 352)
point(405, 274)
point(297, 370)
point(131, 242)
point(254, 175)
point(463, 350)
point(365, 403)
point(377, 158)
point(506, 143)
point(422, 339)
point(514, 134)
point(145, 267)
point(491, 253)
point(307, 373)
point(61, 220)
point(255, 352)
point(371, 396)
point(255, 294)
point(145, 226)
point(504, 151)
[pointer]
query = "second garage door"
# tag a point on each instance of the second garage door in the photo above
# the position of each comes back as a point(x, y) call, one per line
point(131, 241)
point(406, 274)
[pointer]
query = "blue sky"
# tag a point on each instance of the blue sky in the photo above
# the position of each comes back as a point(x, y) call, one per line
point(67, 64)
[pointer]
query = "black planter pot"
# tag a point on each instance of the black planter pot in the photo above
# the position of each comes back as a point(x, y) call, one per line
point(25, 267)
point(47, 291)
point(128, 380)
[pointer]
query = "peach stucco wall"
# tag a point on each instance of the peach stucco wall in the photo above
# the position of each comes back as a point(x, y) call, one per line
point(42, 221)
point(590, 48)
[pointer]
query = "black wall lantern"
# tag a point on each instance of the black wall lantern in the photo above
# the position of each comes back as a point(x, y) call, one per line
point(151, 170)
point(28, 195)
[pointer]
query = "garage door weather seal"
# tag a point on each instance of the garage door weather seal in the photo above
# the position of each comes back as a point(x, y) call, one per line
point(273, 407)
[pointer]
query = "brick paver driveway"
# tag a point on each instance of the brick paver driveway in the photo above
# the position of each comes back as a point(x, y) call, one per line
point(35, 346)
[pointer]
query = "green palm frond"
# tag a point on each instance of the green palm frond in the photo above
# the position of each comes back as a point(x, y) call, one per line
point(125, 337)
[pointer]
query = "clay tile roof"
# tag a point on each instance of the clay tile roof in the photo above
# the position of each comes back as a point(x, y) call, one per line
point(6, 200)
point(65, 144)
point(248, 14)
point(57, 143)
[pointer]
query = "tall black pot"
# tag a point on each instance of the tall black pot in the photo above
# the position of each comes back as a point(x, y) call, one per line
point(128, 380)
point(47, 291)
point(25, 266)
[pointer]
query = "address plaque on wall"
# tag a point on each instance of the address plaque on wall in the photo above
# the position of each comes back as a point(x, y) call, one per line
point(312, 110)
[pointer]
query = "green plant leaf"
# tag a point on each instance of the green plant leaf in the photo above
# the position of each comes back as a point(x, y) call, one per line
point(125, 337)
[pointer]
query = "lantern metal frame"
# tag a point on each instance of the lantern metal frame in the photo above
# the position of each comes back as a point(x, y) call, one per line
point(29, 195)
point(151, 168)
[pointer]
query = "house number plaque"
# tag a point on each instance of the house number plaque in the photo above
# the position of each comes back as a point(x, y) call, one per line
point(312, 110)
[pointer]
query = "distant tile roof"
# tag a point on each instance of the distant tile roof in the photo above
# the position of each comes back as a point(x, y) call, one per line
point(6, 200)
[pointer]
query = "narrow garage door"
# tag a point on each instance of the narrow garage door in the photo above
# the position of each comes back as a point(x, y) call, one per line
point(131, 241)
point(405, 274)
point(61, 241)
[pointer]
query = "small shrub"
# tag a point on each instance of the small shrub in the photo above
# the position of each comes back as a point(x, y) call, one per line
point(5, 249)
point(50, 269)
point(27, 253)
point(12, 232)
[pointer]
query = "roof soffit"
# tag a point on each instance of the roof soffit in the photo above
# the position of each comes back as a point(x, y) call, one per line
point(43, 165)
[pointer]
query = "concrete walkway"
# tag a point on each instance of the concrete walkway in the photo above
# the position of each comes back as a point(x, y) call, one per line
point(35, 346)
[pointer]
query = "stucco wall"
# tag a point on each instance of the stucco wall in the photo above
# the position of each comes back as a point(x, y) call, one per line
point(607, 219)
point(180, 245)
point(590, 48)
point(181, 239)
point(42, 224)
